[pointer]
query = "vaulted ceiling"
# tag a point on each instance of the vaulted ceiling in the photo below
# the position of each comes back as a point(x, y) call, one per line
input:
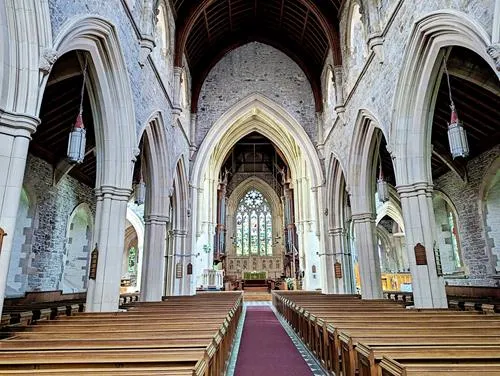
point(305, 30)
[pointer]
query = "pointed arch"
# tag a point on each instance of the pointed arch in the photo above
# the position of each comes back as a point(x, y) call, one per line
point(181, 196)
point(110, 94)
point(365, 143)
point(257, 183)
point(336, 192)
point(26, 34)
point(257, 113)
point(410, 135)
point(157, 177)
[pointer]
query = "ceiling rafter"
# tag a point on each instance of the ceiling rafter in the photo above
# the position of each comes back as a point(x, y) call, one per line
point(230, 15)
point(306, 28)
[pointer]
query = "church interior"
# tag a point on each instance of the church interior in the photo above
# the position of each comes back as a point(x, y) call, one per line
point(250, 187)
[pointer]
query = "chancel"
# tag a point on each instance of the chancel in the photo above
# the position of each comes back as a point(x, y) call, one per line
point(250, 187)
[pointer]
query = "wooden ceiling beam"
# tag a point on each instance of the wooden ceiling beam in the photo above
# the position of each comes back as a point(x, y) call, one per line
point(305, 26)
point(206, 26)
point(282, 10)
point(230, 15)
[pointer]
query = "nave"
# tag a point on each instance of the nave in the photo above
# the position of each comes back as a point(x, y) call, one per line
point(217, 333)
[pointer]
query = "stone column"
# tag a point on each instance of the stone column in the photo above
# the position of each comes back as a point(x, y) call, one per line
point(179, 250)
point(103, 293)
point(369, 263)
point(153, 264)
point(220, 228)
point(418, 214)
point(15, 135)
point(342, 254)
point(327, 260)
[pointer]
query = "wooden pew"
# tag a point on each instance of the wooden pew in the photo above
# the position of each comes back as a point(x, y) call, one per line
point(332, 332)
point(178, 346)
point(390, 367)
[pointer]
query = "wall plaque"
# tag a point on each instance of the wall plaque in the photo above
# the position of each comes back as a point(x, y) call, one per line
point(2, 234)
point(338, 270)
point(314, 268)
point(420, 256)
point(93, 263)
point(189, 269)
point(178, 270)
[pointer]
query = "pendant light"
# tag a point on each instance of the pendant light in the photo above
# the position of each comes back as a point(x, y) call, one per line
point(382, 185)
point(77, 137)
point(139, 184)
point(140, 192)
point(457, 136)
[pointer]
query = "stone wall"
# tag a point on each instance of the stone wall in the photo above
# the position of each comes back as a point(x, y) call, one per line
point(492, 220)
point(151, 84)
point(377, 83)
point(255, 68)
point(54, 205)
point(467, 201)
point(375, 89)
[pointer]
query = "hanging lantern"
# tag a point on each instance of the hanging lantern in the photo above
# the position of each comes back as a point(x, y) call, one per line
point(140, 192)
point(76, 142)
point(77, 137)
point(457, 136)
point(382, 186)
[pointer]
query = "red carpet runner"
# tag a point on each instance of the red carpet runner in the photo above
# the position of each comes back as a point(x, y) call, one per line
point(266, 349)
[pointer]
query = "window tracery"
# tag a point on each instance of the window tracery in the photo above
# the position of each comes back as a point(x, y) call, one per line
point(254, 227)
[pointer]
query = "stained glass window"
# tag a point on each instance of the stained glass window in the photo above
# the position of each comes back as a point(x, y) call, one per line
point(254, 229)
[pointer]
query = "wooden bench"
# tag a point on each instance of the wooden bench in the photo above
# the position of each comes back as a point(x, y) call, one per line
point(135, 342)
point(340, 329)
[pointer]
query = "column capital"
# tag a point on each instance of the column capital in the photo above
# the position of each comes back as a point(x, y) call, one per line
point(15, 124)
point(415, 189)
point(179, 233)
point(157, 219)
point(363, 217)
point(114, 193)
point(339, 231)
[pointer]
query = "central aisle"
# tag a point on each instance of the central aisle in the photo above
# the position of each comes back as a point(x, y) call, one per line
point(266, 349)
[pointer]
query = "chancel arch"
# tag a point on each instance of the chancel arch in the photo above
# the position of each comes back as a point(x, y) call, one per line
point(258, 114)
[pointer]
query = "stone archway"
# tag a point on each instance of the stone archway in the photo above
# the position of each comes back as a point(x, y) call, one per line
point(259, 114)
point(113, 113)
point(411, 134)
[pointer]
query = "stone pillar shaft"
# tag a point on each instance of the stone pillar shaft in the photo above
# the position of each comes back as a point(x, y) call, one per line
point(418, 214)
point(15, 131)
point(341, 254)
point(153, 265)
point(103, 293)
point(369, 263)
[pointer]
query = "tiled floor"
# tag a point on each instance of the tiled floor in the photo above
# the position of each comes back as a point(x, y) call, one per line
point(314, 365)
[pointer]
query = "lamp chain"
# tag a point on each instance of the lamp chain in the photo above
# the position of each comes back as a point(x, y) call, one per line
point(83, 84)
point(448, 81)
